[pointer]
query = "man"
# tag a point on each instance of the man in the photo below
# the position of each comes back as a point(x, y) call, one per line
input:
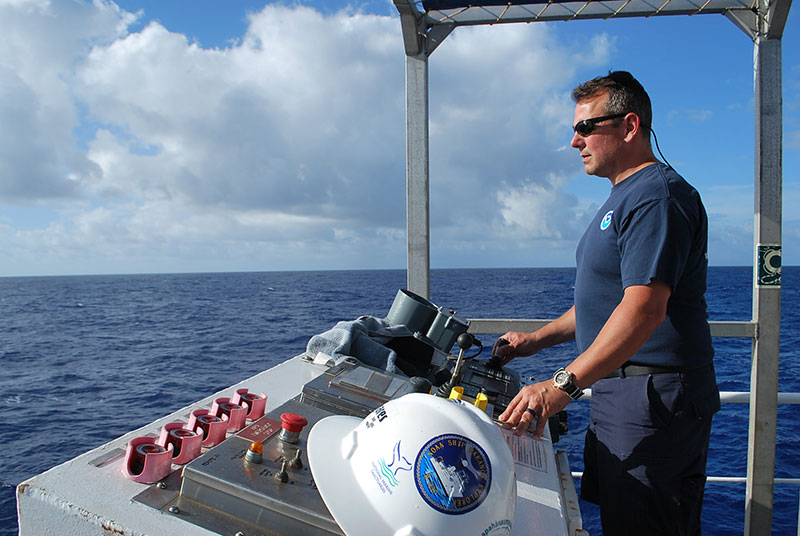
point(640, 323)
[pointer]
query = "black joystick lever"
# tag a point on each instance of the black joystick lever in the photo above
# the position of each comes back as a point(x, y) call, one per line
point(465, 340)
point(495, 360)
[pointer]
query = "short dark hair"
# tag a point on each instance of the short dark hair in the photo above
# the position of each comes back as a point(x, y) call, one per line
point(625, 94)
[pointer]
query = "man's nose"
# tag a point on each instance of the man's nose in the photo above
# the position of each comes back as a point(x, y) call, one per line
point(577, 141)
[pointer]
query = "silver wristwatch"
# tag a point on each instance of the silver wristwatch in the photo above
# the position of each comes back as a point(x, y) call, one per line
point(565, 380)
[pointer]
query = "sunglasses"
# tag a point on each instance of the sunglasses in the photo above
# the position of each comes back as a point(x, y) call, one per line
point(586, 127)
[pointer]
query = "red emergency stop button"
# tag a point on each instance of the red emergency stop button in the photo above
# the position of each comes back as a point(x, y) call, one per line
point(291, 426)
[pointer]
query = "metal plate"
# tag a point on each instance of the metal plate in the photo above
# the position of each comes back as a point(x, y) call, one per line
point(222, 492)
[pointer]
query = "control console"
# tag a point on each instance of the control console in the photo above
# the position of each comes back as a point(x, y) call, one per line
point(259, 476)
point(499, 384)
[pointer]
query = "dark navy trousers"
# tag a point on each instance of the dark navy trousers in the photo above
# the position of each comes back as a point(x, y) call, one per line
point(646, 450)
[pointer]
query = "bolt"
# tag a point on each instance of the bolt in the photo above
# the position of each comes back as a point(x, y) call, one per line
point(240, 533)
point(174, 510)
point(162, 485)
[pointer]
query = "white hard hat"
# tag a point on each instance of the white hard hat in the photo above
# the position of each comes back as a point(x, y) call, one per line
point(418, 465)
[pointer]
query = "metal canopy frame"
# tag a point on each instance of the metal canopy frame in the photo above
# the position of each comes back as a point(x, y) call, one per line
point(425, 25)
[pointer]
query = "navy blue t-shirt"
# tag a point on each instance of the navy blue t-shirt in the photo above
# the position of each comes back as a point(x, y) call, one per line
point(652, 226)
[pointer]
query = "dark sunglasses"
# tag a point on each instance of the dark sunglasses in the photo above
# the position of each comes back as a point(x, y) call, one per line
point(586, 127)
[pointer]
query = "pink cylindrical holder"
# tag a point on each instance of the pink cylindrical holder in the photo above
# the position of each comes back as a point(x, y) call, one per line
point(237, 415)
point(146, 461)
point(211, 428)
point(186, 444)
point(256, 403)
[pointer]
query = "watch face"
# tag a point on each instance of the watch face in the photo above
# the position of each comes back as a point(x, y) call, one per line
point(562, 378)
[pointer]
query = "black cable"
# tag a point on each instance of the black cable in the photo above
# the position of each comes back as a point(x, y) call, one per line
point(659, 150)
point(476, 354)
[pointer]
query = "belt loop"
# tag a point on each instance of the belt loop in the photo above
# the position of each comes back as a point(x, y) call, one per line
point(622, 372)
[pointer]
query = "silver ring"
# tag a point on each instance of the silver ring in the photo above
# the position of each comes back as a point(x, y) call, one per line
point(533, 413)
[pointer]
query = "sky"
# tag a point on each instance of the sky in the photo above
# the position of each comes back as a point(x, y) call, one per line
point(151, 136)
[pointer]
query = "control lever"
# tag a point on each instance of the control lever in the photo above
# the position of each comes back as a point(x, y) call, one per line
point(494, 361)
point(464, 341)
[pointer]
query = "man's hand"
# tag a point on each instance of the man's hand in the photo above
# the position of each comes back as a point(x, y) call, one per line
point(524, 344)
point(537, 402)
point(514, 344)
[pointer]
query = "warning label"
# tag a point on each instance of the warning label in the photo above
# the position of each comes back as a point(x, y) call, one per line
point(261, 430)
point(527, 451)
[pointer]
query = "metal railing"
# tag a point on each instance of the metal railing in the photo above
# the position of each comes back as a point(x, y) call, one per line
point(734, 397)
point(744, 329)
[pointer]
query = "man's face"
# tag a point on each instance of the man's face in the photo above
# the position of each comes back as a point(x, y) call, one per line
point(600, 149)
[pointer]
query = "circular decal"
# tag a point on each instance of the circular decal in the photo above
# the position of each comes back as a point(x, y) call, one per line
point(453, 474)
point(606, 220)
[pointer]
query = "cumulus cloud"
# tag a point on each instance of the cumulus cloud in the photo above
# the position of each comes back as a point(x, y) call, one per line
point(501, 114)
point(542, 211)
point(41, 42)
point(282, 150)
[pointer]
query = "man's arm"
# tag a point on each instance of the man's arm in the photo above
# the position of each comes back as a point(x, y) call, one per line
point(523, 344)
point(642, 309)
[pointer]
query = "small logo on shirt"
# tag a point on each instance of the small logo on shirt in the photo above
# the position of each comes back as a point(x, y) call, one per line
point(606, 220)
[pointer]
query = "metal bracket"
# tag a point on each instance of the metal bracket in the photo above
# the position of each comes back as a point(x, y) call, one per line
point(418, 37)
point(747, 21)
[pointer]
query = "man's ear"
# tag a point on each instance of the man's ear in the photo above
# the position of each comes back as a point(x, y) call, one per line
point(632, 126)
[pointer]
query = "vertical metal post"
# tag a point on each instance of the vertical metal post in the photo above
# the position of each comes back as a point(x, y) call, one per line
point(766, 288)
point(417, 175)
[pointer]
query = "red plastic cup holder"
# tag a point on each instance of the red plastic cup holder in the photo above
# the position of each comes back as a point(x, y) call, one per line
point(237, 415)
point(210, 427)
point(256, 404)
point(186, 443)
point(146, 461)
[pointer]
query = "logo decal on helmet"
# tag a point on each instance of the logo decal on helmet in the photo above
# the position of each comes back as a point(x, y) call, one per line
point(498, 528)
point(606, 220)
point(385, 474)
point(453, 474)
point(398, 463)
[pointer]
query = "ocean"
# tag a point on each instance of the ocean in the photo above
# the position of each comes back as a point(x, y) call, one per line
point(86, 359)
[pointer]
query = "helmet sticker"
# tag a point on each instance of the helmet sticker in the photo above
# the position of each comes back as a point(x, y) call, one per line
point(606, 220)
point(453, 474)
point(377, 416)
point(498, 528)
point(385, 474)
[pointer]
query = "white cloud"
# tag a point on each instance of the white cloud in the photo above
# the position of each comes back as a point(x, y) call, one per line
point(284, 150)
point(543, 211)
point(500, 114)
point(41, 43)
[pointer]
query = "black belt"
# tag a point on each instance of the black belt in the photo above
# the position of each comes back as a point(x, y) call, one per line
point(631, 369)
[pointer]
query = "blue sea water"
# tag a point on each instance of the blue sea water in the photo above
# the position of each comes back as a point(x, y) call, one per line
point(87, 359)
